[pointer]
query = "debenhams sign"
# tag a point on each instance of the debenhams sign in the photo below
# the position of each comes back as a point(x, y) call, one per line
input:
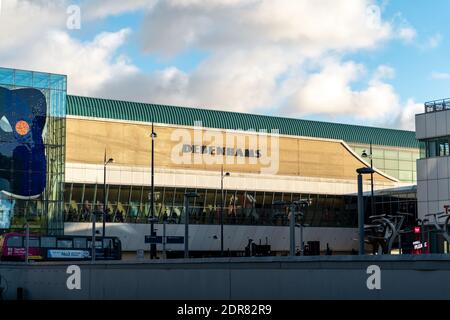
point(221, 151)
point(201, 146)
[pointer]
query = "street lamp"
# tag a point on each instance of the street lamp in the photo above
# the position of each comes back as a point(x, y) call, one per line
point(105, 163)
point(153, 135)
point(360, 173)
point(370, 156)
point(187, 196)
point(223, 175)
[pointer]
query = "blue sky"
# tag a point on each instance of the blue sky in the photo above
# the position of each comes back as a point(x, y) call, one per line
point(323, 60)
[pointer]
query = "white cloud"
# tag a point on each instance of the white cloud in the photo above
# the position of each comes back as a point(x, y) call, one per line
point(406, 118)
point(407, 34)
point(88, 64)
point(329, 92)
point(384, 72)
point(440, 75)
point(22, 22)
point(93, 9)
point(259, 53)
point(310, 27)
point(434, 41)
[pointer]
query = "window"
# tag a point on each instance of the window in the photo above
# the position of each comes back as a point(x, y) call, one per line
point(15, 242)
point(48, 242)
point(64, 244)
point(107, 243)
point(34, 242)
point(79, 243)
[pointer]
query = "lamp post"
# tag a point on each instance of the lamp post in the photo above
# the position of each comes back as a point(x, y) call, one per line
point(187, 196)
point(372, 199)
point(360, 172)
point(222, 175)
point(152, 196)
point(105, 163)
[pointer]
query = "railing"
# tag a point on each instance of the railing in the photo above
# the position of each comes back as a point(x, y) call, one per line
point(437, 105)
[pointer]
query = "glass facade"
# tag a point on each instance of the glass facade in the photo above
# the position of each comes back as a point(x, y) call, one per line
point(32, 149)
point(131, 204)
point(398, 163)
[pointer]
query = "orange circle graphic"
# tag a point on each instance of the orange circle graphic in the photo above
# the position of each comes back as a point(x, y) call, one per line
point(22, 127)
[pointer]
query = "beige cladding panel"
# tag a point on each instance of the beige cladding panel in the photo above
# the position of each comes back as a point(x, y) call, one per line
point(130, 145)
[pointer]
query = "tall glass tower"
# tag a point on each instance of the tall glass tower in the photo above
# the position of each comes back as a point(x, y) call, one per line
point(32, 150)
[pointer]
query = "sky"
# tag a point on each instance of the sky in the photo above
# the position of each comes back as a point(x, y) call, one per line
point(363, 62)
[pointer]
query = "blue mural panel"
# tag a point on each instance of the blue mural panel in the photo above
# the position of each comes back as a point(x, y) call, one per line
point(23, 115)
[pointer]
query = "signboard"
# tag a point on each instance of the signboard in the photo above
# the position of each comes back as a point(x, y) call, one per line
point(174, 239)
point(68, 254)
point(169, 239)
point(153, 239)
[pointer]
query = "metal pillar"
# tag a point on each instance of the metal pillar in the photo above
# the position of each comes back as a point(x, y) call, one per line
point(164, 238)
point(372, 198)
point(292, 230)
point(152, 197)
point(93, 238)
point(361, 214)
point(27, 245)
point(186, 227)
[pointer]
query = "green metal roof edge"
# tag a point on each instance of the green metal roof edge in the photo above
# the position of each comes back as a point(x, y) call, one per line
point(145, 112)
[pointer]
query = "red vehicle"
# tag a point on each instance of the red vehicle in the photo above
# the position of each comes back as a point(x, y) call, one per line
point(51, 247)
point(12, 246)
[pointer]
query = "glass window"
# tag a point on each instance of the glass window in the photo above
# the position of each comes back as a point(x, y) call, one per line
point(278, 197)
point(431, 148)
point(107, 243)
point(23, 78)
point(406, 175)
point(406, 165)
point(77, 194)
point(378, 153)
point(15, 242)
point(79, 243)
point(89, 193)
point(392, 173)
point(63, 243)
point(6, 76)
point(259, 199)
point(98, 244)
point(391, 164)
point(391, 154)
point(378, 163)
point(34, 242)
point(405, 155)
point(48, 242)
point(41, 80)
point(443, 148)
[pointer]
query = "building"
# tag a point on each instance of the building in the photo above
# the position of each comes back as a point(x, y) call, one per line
point(269, 159)
point(433, 174)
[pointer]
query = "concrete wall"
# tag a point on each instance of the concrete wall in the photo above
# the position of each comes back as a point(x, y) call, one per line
point(433, 185)
point(433, 124)
point(401, 277)
point(433, 174)
point(236, 237)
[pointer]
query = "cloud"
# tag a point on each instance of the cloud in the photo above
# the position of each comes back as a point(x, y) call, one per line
point(22, 22)
point(406, 118)
point(407, 34)
point(329, 92)
point(173, 26)
point(259, 56)
point(440, 75)
point(93, 9)
point(88, 64)
point(434, 41)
